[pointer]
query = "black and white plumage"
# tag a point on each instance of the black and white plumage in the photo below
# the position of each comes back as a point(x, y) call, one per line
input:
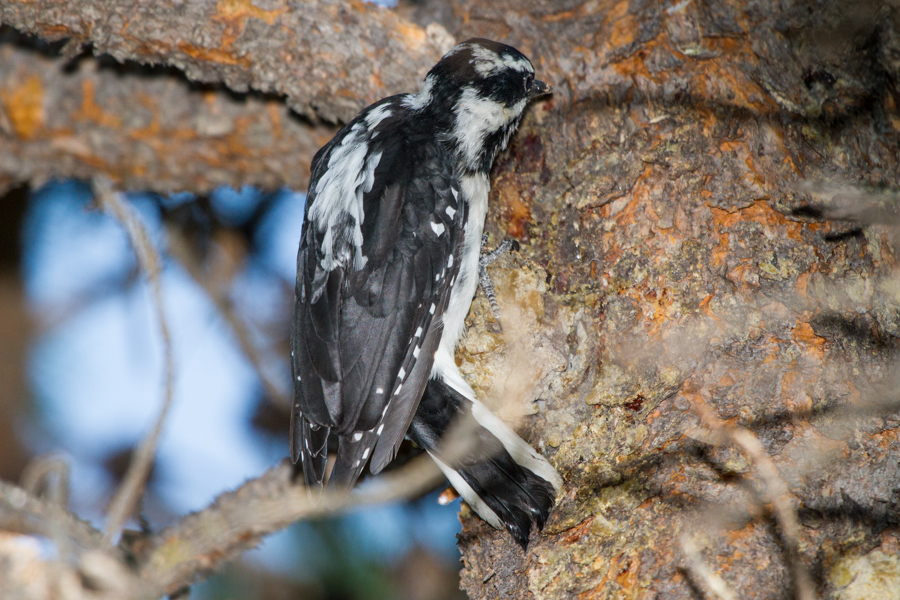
point(386, 273)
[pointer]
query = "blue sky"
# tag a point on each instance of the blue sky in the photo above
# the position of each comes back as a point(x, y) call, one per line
point(97, 374)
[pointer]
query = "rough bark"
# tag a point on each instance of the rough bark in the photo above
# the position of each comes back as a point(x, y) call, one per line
point(671, 262)
point(145, 129)
point(69, 115)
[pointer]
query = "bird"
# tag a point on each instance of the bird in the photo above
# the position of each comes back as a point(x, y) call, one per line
point(387, 269)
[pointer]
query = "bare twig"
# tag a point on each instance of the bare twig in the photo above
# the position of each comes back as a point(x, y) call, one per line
point(238, 520)
point(24, 513)
point(48, 475)
point(180, 250)
point(775, 488)
point(203, 541)
point(703, 575)
point(125, 499)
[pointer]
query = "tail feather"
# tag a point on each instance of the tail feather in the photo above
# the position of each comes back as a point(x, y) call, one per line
point(499, 475)
point(309, 444)
point(353, 453)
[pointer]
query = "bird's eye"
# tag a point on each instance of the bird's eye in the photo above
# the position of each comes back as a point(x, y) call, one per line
point(529, 79)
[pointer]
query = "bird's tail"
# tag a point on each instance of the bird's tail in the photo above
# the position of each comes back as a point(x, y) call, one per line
point(495, 471)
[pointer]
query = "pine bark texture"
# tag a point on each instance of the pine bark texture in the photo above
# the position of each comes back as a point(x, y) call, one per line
point(673, 256)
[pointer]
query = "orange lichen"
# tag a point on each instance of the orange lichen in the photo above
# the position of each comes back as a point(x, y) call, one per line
point(24, 105)
point(627, 575)
point(803, 334)
point(213, 54)
point(234, 13)
point(622, 26)
point(91, 111)
point(411, 34)
point(761, 212)
point(516, 211)
point(623, 569)
point(242, 9)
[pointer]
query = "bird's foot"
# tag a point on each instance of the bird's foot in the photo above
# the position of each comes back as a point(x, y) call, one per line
point(484, 279)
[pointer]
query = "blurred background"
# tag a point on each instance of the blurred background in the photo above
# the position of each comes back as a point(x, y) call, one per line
point(82, 365)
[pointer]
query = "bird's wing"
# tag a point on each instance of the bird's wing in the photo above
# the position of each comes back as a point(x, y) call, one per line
point(373, 282)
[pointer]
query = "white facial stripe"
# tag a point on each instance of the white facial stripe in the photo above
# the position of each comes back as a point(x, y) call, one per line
point(487, 62)
point(476, 118)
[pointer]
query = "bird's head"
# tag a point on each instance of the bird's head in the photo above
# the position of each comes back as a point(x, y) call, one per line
point(479, 91)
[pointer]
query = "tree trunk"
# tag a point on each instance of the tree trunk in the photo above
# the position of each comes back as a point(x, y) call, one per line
point(691, 335)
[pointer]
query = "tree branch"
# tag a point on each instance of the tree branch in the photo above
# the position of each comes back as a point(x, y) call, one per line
point(775, 489)
point(126, 498)
point(319, 54)
point(146, 129)
point(24, 513)
point(237, 521)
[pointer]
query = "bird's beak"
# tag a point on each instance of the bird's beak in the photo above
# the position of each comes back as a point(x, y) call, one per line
point(538, 89)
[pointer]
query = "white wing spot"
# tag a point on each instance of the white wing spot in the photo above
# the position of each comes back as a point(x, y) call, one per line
point(416, 352)
point(431, 310)
point(402, 374)
point(379, 391)
point(450, 261)
point(455, 195)
point(438, 228)
point(298, 378)
point(365, 453)
point(399, 387)
point(450, 210)
point(377, 116)
point(356, 464)
point(418, 331)
point(386, 406)
point(380, 429)
point(357, 436)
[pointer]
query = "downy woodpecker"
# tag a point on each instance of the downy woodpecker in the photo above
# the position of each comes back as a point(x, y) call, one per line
point(386, 273)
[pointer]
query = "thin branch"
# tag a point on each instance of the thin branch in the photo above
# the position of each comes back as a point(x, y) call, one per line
point(702, 574)
point(180, 250)
point(775, 488)
point(237, 521)
point(204, 541)
point(24, 513)
point(130, 491)
point(50, 475)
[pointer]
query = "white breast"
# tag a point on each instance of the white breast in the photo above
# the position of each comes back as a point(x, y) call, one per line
point(475, 191)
